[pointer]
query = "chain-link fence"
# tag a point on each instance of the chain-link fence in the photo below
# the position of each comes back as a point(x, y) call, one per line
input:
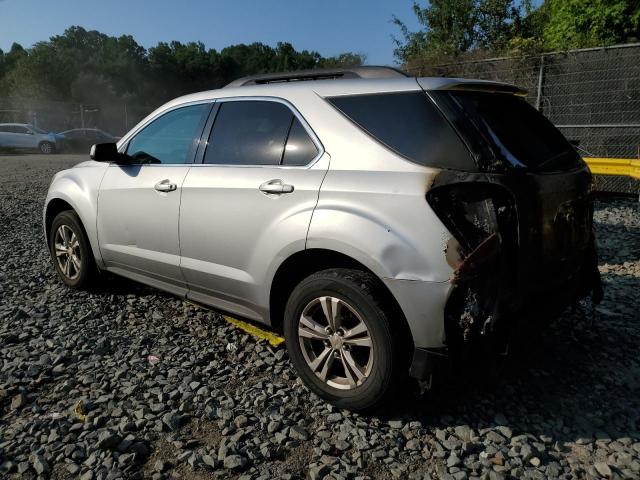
point(115, 119)
point(592, 95)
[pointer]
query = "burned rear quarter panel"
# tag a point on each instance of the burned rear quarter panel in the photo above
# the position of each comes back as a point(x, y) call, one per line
point(372, 207)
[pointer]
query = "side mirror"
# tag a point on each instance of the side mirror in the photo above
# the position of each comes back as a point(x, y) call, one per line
point(104, 152)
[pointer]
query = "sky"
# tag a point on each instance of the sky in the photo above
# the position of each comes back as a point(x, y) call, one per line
point(327, 26)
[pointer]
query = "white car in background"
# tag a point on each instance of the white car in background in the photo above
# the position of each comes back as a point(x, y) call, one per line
point(27, 137)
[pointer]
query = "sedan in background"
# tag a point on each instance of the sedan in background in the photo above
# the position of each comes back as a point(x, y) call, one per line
point(23, 136)
point(81, 139)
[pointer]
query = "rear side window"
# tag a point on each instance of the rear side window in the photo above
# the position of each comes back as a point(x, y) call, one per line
point(410, 124)
point(300, 149)
point(505, 130)
point(170, 138)
point(250, 132)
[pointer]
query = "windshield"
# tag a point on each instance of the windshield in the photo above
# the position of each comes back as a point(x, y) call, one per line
point(504, 130)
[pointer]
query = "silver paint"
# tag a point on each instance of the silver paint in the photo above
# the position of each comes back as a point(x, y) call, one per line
point(219, 239)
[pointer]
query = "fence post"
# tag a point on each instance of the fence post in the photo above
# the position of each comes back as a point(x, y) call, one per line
point(82, 115)
point(540, 77)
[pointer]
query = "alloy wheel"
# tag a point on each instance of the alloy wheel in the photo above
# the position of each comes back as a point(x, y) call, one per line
point(67, 251)
point(335, 342)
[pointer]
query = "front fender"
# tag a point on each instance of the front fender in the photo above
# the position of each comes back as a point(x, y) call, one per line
point(79, 188)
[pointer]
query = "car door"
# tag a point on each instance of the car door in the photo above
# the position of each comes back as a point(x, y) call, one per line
point(76, 141)
point(247, 201)
point(14, 136)
point(6, 136)
point(24, 137)
point(138, 202)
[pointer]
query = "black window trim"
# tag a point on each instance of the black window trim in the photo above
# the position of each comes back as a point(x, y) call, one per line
point(122, 148)
point(202, 146)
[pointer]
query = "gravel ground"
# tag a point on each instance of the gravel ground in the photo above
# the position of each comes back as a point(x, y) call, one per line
point(127, 382)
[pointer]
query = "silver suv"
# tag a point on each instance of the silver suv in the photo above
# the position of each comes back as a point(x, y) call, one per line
point(380, 221)
point(23, 136)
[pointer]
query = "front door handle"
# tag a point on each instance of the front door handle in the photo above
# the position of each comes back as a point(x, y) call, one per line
point(165, 186)
point(276, 187)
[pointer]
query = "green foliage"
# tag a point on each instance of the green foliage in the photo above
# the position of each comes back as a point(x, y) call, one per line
point(477, 28)
point(454, 27)
point(448, 29)
point(91, 67)
point(591, 23)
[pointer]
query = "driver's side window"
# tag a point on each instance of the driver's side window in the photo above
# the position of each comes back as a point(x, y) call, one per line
point(170, 138)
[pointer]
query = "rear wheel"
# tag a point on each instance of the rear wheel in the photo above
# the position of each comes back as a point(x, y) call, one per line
point(339, 336)
point(70, 250)
point(46, 147)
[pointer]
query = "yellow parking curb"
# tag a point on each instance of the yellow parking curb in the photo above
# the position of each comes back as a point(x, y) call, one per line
point(273, 339)
point(629, 167)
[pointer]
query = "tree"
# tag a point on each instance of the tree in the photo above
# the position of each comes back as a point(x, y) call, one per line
point(83, 66)
point(497, 23)
point(454, 27)
point(590, 23)
point(343, 60)
point(448, 29)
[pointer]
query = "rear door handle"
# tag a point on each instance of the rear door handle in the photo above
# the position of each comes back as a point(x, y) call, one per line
point(276, 187)
point(165, 186)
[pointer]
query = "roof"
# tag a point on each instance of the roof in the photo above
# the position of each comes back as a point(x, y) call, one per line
point(347, 86)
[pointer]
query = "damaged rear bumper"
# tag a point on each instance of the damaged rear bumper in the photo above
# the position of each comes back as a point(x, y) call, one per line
point(522, 250)
point(478, 319)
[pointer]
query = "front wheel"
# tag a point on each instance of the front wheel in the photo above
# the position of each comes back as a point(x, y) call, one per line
point(46, 147)
point(70, 250)
point(341, 340)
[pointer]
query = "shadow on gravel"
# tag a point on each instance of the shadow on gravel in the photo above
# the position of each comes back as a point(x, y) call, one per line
point(555, 386)
point(113, 285)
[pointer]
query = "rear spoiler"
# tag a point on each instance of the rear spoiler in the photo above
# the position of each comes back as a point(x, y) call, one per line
point(435, 83)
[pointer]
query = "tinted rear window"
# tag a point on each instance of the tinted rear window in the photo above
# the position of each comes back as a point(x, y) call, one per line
point(249, 133)
point(410, 124)
point(505, 129)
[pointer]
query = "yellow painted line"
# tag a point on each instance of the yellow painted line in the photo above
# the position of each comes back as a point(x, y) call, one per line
point(273, 339)
point(629, 167)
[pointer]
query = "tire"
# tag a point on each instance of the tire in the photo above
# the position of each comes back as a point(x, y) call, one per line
point(47, 147)
point(359, 296)
point(76, 267)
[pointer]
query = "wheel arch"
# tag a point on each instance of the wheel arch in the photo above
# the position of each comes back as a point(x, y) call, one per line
point(54, 207)
point(306, 262)
point(59, 204)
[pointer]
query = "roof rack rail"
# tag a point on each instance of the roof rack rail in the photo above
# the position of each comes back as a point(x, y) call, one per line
point(368, 71)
